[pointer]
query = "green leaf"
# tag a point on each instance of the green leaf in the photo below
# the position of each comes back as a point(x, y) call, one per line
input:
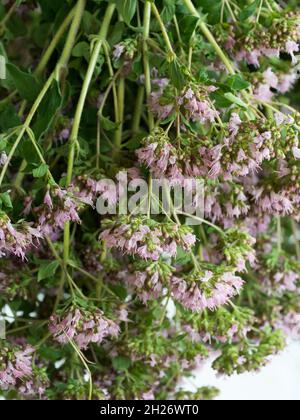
point(47, 111)
point(220, 100)
point(6, 200)
point(121, 363)
point(249, 10)
point(40, 171)
point(236, 82)
point(107, 124)
point(168, 10)
point(235, 100)
point(9, 117)
point(47, 270)
point(3, 143)
point(176, 75)
point(127, 9)
point(188, 25)
point(82, 49)
point(212, 8)
point(26, 84)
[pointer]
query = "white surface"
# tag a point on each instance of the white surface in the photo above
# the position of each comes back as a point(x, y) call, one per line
point(280, 380)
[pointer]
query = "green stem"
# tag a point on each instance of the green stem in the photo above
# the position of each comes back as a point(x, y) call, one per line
point(296, 240)
point(53, 44)
point(148, 87)
point(39, 70)
point(111, 86)
point(205, 30)
point(172, 55)
point(85, 88)
point(259, 11)
point(147, 19)
point(114, 78)
point(138, 110)
point(38, 152)
point(61, 64)
point(279, 234)
point(8, 15)
point(120, 119)
point(79, 110)
point(26, 125)
point(199, 219)
point(230, 11)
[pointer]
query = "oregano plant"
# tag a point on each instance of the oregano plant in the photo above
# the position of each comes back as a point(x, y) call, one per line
point(150, 194)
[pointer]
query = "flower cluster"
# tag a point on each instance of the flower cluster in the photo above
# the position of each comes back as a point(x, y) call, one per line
point(17, 239)
point(290, 325)
point(245, 147)
point(82, 327)
point(146, 238)
point(200, 289)
point(15, 366)
point(148, 281)
point(193, 103)
point(59, 207)
point(269, 83)
point(282, 35)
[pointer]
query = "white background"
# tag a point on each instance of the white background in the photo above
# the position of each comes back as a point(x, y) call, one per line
point(279, 380)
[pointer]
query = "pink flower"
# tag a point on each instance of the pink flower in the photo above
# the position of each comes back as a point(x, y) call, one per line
point(149, 396)
point(263, 93)
point(83, 327)
point(118, 51)
point(296, 152)
point(287, 82)
point(16, 366)
point(48, 200)
point(234, 123)
point(17, 239)
point(3, 159)
point(270, 78)
point(206, 291)
point(291, 48)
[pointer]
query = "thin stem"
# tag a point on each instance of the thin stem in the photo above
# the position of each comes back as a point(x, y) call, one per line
point(279, 234)
point(296, 239)
point(62, 63)
point(111, 86)
point(210, 37)
point(172, 54)
point(179, 35)
point(231, 11)
point(38, 151)
point(222, 11)
point(66, 54)
point(147, 19)
point(8, 15)
point(26, 126)
point(114, 78)
point(82, 358)
point(79, 109)
point(90, 276)
point(38, 71)
point(199, 219)
point(53, 44)
point(85, 88)
point(150, 197)
point(138, 110)
point(120, 120)
point(259, 10)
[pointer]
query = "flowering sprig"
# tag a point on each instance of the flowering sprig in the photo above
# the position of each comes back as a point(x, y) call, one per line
point(147, 239)
point(83, 327)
